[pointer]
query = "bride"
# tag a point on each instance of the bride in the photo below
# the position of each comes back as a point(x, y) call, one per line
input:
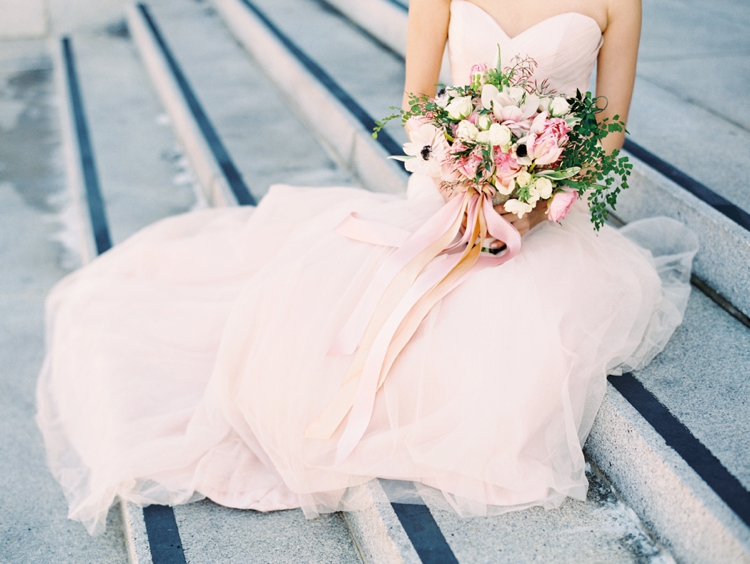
point(195, 359)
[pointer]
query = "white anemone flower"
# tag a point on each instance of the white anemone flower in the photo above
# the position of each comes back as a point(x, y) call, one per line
point(425, 151)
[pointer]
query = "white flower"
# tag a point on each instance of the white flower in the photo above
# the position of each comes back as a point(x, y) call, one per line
point(517, 207)
point(543, 187)
point(506, 190)
point(523, 178)
point(484, 122)
point(533, 195)
point(558, 106)
point(483, 137)
point(499, 135)
point(427, 150)
point(489, 93)
point(530, 105)
point(460, 108)
point(443, 98)
point(515, 92)
point(467, 131)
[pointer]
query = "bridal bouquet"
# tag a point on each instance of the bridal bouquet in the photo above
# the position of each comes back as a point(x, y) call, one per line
point(516, 140)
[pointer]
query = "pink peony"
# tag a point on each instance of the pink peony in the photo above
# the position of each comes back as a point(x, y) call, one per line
point(506, 166)
point(560, 205)
point(544, 149)
point(558, 128)
point(468, 166)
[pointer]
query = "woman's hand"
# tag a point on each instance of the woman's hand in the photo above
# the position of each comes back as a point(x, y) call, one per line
point(529, 220)
point(525, 223)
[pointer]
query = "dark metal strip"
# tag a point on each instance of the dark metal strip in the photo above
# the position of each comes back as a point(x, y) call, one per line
point(90, 177)
point(699, 190)
point(424, 533)
point(233, 176)
point(163, 535)
point(679, 438)
point(399, 4)
point(385, 140)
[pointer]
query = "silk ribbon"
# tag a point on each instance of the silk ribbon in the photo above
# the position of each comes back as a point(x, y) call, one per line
point(425, 266)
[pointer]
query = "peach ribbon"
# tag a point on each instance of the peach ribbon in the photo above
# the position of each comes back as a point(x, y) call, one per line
point(425, 266)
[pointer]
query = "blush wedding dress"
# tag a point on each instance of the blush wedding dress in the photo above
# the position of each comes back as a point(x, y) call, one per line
point(190, 360)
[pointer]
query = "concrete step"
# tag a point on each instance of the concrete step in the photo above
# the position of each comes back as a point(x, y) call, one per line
point(137, 161)
point(706, 510)
point(251, 122)
point(39, 244)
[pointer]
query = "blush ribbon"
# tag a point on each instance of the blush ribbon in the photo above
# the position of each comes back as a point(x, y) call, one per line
point(425, 266)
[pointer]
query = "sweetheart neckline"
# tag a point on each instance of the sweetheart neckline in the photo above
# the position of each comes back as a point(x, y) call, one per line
point(528, 29)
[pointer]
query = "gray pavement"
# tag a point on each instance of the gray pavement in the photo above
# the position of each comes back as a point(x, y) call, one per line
point(33, 214)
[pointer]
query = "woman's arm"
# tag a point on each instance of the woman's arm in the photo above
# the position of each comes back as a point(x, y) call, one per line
point(615, 75)
point(425, 43)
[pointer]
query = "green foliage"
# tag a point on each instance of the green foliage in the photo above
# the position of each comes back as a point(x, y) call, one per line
point(599, 171)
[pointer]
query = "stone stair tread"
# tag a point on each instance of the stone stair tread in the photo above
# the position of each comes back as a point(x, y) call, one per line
point(601, 529)
point(138, 161)
point(212, 533)
point(370, 73)
point(699, 379)
point(267, 142)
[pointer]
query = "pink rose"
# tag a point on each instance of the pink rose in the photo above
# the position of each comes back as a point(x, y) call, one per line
point(560, 205)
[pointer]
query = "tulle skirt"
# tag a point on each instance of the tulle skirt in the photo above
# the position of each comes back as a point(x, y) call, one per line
point(188, 361)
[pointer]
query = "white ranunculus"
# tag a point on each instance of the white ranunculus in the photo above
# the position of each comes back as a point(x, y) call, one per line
point(533, 195)
point(523, 178)
point(483, 137)
point(460, 108)
point(489, 93)
point(543, 187)
point(467, 131)
point(517, 207)
point(559, 106)
point(484, 122)
point(499, 135)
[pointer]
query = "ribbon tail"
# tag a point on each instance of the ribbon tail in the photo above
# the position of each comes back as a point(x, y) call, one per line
point(424, 242)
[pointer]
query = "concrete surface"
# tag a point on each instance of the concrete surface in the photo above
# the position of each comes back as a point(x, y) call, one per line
point(267, 142)
point(137, 157)
point(601, 529)
point(22, 18)
point(33, 203)
point(211, 533)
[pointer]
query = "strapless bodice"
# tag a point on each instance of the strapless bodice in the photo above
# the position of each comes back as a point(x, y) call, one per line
point(565, 46)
